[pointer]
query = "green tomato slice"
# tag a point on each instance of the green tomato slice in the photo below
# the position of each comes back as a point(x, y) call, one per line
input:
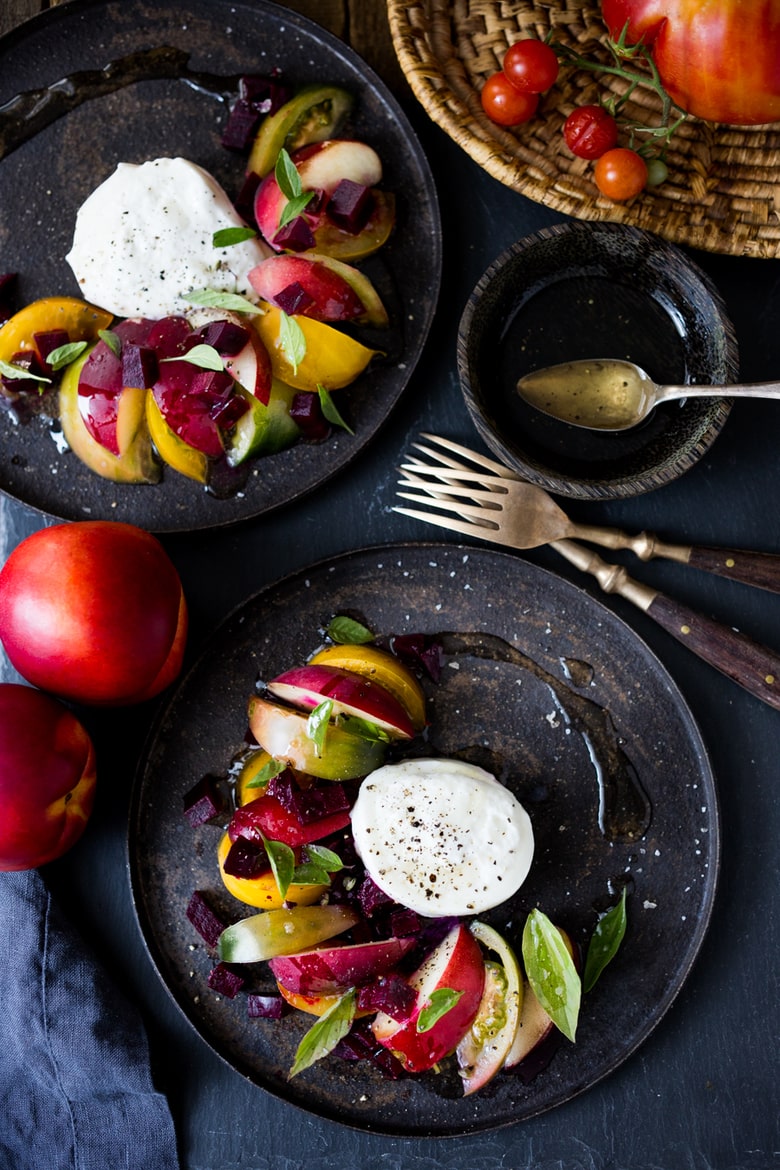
point(313, 115)
point(483, 1050)
point(282, 932)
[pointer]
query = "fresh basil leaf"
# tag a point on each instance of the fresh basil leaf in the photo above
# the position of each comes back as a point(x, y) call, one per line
point(213, 299)
point(204, 356)
point(63, 355)
point(112, 340)
point(266, 773)
point(317, 723)
point(325, 1034)
point(292, 340)
point(605, 942)
point(325, 857)
point(226, 237)
point(441, 1001)
point(293, 207)
point(282, 861)
point(329, 409)
point(551, 972)
point(358, 725)
point(8, 370)
point(348, 632)
point(310, 874)
point(286, 175)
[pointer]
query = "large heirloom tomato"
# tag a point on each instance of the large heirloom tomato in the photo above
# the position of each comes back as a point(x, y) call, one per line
point(718, 59)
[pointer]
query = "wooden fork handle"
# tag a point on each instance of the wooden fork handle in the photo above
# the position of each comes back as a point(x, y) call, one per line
point(751, 568)
point(748, 663)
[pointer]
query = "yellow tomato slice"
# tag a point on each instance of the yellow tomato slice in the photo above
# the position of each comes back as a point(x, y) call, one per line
point(252, 766)
point(172, 450)
point(263, 891)
point(332, 359)
point(315, 1005)
point(81, 321)
point(384, 668)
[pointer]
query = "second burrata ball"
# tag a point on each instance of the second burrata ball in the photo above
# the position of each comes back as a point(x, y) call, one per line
point(442, 837)
point(144, 240)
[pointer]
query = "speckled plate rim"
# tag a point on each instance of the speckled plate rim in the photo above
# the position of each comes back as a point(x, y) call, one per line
point(401, 579)
point(710, 414)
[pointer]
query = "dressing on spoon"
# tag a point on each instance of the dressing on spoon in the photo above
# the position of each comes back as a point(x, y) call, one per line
point(606, 394)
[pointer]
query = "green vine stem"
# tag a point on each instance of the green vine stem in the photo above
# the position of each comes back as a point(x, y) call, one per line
point(623, 54)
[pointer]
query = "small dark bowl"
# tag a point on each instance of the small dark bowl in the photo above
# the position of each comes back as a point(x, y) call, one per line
point(583, 290)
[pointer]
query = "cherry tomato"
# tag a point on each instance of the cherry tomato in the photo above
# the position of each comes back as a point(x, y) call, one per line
point(531, 65)
point(657, 172)
point(589, 131)
point(506, 105)
point(621, 174)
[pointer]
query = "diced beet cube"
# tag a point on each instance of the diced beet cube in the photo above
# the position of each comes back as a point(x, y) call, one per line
point(293, 299)
point(422, 649)
point(168, 337)
point(139, 366)
point(355, 1046)
point(204, 801)
point(205, 920)
point(405, 923)
point(283, 788)
point(246, 859)
point(227, 337)
point(306, 411)
point(295, 236)
point(46, 343)
point(241, 125)
point(135, 330)
point(371, 897)
point(390, 994)
point(318, 802)
point(388, 1064)
point(25, 359)
point(225, 980)
point(350, 205)
point(266, 93)
point(245, 200)
point(227, 413)
point(266, 1007)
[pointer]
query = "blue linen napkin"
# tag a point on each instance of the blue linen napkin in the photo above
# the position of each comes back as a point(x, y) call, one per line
point(75, 1084)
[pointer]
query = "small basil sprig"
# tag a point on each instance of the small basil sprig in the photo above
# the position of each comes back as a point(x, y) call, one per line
point(441, 1001)
point(330, 410)
point(319, 864)
point(605, 941)
point(211, 298)
point(317, 724)
point(226, 237)
point(112, 340)
point(266, 774)
point(204, 356)
point(63, 355)
point(551, 972)
point(286, 175)
point(292, 340)
point(18, 373)
point(348, 632)
point(325, 1034)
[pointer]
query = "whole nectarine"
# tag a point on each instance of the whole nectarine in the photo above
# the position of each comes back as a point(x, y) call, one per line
point(47, 777)
point(93, 611)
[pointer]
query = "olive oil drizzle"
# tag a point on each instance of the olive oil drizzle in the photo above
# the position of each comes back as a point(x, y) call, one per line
point(624, 809)
point(26, 114)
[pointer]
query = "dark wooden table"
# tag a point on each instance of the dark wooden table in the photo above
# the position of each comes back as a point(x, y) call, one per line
point(701, 1093)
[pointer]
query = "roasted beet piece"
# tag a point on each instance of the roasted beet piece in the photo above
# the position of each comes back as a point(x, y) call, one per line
point(205, 920)
point(293, 299)
point(404, 922)
point(246, 859)
point(227, 337)
point(350, 206)
point(420, 649)
point(314, 804)
point(391, 994)
point(225, 980)
point(266, 1007)
point(306, 411)
point(371, 897)
point(241, 125)
point(204, 801)
point(295, 236)
point(139, 366)
point(46, 343)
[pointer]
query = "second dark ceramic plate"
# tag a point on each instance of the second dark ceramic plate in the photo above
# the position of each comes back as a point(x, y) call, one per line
point(44, 181)
point(549, 690)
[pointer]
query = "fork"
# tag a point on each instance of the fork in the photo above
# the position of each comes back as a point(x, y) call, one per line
point(485, 502)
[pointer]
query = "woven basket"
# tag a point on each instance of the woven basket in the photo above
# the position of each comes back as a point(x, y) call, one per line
point(723, 190)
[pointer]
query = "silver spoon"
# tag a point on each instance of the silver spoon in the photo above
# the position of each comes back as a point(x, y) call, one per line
point(604, 394)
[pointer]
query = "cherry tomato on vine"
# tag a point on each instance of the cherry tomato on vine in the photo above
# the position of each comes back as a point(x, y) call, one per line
point(531, 65)
point(506, 105)
point(620, 174)
point(590, 131)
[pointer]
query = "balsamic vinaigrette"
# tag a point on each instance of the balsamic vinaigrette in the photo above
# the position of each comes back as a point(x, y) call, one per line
point(624, 810)
point(26, 114)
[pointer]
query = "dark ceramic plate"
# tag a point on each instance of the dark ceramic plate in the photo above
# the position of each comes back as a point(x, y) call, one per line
point(588, 291)
point(43, 182)
point(545, 687)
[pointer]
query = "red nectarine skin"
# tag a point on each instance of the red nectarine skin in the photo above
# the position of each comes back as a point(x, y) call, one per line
point(93, 611)
point(47, 778)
